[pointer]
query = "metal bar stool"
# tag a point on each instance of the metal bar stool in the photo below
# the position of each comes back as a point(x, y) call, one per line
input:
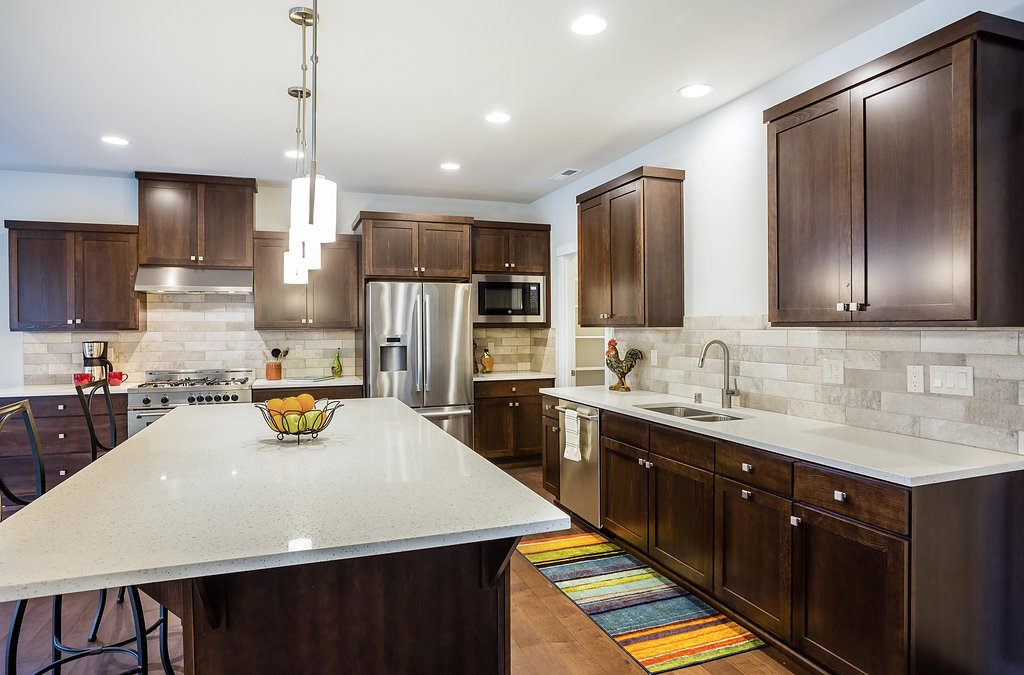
point(60, 654)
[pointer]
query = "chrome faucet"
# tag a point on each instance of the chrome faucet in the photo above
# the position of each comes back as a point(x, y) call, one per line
point(726, 391)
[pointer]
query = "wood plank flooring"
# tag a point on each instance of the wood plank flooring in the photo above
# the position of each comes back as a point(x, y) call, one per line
point(549, 633)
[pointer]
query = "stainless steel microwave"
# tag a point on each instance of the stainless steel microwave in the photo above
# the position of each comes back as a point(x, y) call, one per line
point(507, 298)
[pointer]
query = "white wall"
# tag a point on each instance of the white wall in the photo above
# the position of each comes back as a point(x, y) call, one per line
point(724, 155)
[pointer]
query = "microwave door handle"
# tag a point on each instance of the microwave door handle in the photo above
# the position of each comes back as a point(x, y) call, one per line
point(419, 345)
point(426, 339)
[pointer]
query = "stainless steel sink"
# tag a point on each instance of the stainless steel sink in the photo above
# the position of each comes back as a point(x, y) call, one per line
point(694, 414)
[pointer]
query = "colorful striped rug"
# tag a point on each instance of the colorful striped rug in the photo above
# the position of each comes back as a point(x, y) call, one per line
point(660, 625)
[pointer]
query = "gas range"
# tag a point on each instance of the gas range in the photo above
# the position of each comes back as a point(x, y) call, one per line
point(165, 390)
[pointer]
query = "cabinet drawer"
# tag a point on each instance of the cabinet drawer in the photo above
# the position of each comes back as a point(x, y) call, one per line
point(677, 444)
point(873, 502)
point(754, 467)
point(57, 435)
point(19, 472)
point(628, 430)
point(502, 388)
point(68, 406)
point(548, 407)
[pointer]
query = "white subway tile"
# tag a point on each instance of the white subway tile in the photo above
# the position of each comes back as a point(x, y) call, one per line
point(970, 341)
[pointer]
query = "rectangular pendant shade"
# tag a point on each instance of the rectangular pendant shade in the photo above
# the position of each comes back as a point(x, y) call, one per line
point(325, 208)
point(294, 271)
point(304, 242)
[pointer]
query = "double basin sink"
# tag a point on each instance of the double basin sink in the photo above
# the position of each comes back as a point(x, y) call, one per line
point(694, 414)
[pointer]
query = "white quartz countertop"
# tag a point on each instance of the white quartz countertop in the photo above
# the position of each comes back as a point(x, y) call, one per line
point(513, 375)
point(29, 390)
point(348, 381)
point(210, 490)
point(905, 460)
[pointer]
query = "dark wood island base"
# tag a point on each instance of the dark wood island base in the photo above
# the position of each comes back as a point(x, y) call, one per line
point(436, 610)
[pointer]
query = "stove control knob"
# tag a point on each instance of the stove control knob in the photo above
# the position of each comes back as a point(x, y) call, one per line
point(146, 401)
point(165, 400)
point(217, 398)
point(191, 399)
point(234, 397)
point(208, 398)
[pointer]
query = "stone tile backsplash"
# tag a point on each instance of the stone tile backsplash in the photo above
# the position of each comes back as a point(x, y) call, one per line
point(193, 331)
point(780, 369)
point(517, 349)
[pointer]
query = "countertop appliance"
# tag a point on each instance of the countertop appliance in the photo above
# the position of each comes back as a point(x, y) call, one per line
point(418, 344)
point(94, 359)
point(509, 298)
point(579, 488)
point(164, 390)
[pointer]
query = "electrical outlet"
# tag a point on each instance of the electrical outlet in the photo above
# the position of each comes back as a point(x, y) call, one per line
point(654, 357)
point(832, 371)
point(957, 380)
point(915, 379)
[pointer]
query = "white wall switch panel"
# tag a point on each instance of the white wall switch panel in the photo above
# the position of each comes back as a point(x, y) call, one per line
point(957, 380)
point(832, 371)
point(654, 357)
point(915, 379)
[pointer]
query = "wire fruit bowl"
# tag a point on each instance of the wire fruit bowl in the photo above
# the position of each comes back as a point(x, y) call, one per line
point(298, 423)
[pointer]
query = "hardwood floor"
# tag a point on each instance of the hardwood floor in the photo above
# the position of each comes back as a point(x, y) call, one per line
point(549, 633)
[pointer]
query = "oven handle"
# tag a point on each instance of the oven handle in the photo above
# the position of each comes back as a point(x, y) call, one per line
point(140, 415)
point(592, 418)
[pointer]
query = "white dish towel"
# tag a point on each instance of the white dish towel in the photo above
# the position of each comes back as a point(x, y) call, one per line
point(572, 436)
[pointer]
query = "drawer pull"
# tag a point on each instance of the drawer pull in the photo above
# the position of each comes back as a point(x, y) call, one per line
point(648, 464)
point(748, 468)
point(746, 494)
point(513, 388)
point(60, 406)
point(640, 461)
point(839, 496)
point(62, 472)
point(510, 404)
point(517, 404)
point(794, 521)
point(60, 435)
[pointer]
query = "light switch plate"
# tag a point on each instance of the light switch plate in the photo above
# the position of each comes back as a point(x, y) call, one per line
point(915, 379)
point(832, 371)
point(956, 380)
point(654, 357)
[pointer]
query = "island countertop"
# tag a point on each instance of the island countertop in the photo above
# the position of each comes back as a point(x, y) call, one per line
point(210, 490)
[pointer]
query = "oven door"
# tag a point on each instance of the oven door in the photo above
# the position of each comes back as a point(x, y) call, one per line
point(501, 298)
point(141, 418)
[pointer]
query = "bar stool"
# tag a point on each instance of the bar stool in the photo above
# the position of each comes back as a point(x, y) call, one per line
point(61, 654)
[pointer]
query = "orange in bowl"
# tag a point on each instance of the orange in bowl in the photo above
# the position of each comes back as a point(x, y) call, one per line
point(291, 405)
point(275, 405)
point(277, 421)
point(306, 402)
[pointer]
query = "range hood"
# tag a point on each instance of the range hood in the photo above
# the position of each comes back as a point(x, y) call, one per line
point(192, 280)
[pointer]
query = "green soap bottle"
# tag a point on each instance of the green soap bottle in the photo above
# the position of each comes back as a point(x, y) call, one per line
point(336, 366)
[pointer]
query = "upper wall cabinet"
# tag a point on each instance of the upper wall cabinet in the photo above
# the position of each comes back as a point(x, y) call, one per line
point(72, 276)
point(414, 247)
point(631, 250)
point(894, 189)
point(510, 248)
point(187, 220)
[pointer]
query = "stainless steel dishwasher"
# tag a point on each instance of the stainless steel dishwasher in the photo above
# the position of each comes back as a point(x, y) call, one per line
point(580, 482)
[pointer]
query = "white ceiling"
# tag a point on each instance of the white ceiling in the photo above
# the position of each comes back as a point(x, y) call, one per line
point(404, 84)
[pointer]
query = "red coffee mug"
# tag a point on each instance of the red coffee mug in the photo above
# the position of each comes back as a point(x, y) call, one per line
point(116, 378)
point(82, 378)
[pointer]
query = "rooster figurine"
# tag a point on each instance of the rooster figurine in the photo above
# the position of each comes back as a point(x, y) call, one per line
point(620, 367)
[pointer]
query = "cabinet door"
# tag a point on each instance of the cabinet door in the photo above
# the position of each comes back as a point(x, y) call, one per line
point(753, 555)
point(809, 217)
point(105, 269)
point(551, 456)
point(389, 248)
point(626, 271)
point(624, 491)
point(490, 250)
point(849, 594)
point(276, 304)
point(528, 251)
point(334, 293)
point(444, 251)
point(593, 260)
point(42, 268)
point(682, 518)
point(493, 420)
point(529, 433)
point(225, 226)
point(913, 221)
point(168, 223)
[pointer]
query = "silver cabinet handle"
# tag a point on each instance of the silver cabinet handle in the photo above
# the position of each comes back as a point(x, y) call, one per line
point(517, 404)
point(839, 496)
point(857, 307)
point(60, 435)
point(419, 344)
point(140, 415)
point(78, 321)
point(506, 264)
point(794, 521)
point(422, 270)
point(70, 321)
point(648, 464)
point(309, 321)
point(512, 265)
point(60, 406)
point(62, 472)
point(749, 468)
point(640, 461)
point(842, 307)
point(555, 429)
point(200, 258)
point(302, 320)
point(746, 494)
point(457, 413)
point(510, 404)
point(426, 339)
point(513, 388)
point(548, 406)
point(191, 257)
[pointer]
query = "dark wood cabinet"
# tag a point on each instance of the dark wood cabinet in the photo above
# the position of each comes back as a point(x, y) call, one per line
point(529, 436)
point(511, 248)
point(551, 457)
point(72, 276)
point(411, 246)
point(624, 492)
point(889, 198)
point(682, 516)
point(331, 300)
point(188, 220)
point(753, 553)
point(507, 418)
point(494, 427)
point(631, 250)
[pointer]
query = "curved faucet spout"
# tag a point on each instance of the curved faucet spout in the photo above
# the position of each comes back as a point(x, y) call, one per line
point(727, 393)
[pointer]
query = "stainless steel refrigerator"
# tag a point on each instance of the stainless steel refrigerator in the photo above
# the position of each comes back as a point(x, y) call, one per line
point(418, 341)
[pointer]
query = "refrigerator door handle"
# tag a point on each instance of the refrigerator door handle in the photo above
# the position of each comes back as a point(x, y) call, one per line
point(419, 345)
point(426, 338)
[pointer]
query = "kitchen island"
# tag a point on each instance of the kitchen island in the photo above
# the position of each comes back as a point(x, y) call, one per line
point(381, 546)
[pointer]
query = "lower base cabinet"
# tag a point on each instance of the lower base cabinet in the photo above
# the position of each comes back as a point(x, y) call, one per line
point(551, 454)
point(507, 418)
point(681, 519)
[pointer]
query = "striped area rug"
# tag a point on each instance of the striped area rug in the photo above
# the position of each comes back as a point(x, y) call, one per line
point(660, 625)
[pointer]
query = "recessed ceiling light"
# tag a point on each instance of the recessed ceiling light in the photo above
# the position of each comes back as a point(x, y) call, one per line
point(294, 154)
point(114, 140)
point(696, 90)
point(589, 24)
point(498, 117)
point(451, 166)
